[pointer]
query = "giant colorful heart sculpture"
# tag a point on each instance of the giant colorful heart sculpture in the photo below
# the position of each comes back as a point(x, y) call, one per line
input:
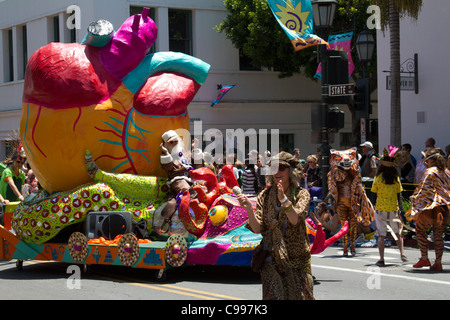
point(106, 95)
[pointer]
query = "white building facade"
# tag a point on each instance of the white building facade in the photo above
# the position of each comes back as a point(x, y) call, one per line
point(427, 113)
point(259, 100)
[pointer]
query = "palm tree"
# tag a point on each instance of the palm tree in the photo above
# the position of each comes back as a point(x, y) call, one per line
point(391, 12)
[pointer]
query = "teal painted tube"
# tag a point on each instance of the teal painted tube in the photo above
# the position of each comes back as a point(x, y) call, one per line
point(168, 62)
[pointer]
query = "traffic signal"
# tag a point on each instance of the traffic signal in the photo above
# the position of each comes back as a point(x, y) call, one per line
point(362, 98)
point(334, 71)
point(336, 119)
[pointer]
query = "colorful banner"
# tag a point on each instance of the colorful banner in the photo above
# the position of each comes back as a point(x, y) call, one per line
point(296, 19)
point(340, 42)
point(223, 91)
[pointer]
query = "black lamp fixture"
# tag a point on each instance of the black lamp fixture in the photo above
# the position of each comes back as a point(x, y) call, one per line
point(365, 46)
point(324, 11)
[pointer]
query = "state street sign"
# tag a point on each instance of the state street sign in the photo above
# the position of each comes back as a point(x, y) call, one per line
point(340, 90)
point(406, 83)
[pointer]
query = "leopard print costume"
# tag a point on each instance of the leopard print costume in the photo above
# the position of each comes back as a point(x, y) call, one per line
point(345, 187)
point(288, 273)
point(430, 208)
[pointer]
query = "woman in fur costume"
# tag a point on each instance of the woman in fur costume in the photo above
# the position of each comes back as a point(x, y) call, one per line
point(280, 215)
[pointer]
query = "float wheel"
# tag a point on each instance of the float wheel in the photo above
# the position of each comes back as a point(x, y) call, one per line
point(160, 275)
point(87, 269)
point(19, 265)
point(78, 247)
point(176, 250)
point(128, 249)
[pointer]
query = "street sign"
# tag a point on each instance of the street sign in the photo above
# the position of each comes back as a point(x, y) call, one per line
point(341, 90)
point(406, 83)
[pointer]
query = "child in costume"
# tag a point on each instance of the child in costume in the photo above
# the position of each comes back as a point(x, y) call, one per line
point(345, 187)
point(429, 206)
point(387, 187)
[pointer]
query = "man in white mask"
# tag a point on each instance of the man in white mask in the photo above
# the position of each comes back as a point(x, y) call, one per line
point(175, 162)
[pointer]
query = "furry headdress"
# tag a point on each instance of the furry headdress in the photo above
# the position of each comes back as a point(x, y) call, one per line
point(390, 156)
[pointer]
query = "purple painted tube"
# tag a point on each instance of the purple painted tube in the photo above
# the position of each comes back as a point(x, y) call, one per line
point(129, 45)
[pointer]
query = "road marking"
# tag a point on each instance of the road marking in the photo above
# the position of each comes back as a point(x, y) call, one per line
point(173, 289)
point(205, 295)
point(385, 258)
point(383, 274)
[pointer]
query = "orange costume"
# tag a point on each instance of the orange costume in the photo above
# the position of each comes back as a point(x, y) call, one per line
point(345, 187)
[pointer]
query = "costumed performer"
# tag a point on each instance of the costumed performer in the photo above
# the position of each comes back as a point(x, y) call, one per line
point(346, 189)
point(13, 178)
point(429, 206)
point(281, 209)
point(387, 187)
point(177, 163)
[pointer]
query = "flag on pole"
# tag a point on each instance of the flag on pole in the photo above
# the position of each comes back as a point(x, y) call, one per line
point(340, 42)
point(296, 19)
point(223, 91)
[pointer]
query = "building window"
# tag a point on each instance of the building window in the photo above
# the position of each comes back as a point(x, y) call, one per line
point(287, 142)
point(73, 35)
point(23, 45)
point(9, 76)
point(180, 31)
point(138, 10)
point(56, 36)
point(70, 30)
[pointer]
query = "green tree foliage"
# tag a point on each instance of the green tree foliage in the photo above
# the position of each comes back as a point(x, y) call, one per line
point(405, 8)
point(252, 28)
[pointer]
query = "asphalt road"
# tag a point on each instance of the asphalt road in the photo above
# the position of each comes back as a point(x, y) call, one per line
point(358, 278)
point(337, 278)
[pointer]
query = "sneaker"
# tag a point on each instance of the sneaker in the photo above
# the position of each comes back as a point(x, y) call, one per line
point(353, 251)
point(422, 263)
point(404, 258)
point(437, 266)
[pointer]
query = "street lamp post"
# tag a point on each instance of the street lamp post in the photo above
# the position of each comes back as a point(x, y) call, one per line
point(365, 45)
point(323, 11)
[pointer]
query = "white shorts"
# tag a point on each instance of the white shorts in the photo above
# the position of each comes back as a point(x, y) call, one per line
point(383, 219)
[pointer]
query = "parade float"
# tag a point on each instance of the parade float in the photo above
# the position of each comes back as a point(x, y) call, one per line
point(109, 101)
